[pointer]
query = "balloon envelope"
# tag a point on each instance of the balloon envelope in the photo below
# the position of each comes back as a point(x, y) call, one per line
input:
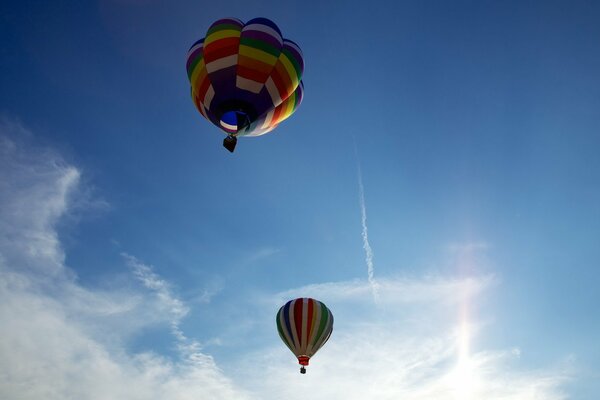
point(245, 78)
point(304, 325)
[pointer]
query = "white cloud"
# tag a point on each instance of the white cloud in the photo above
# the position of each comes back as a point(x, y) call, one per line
point(415, 343)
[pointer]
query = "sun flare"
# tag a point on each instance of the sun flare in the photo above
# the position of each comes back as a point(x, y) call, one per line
point(463, 378)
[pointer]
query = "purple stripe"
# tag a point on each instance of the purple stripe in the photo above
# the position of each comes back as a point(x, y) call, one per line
point(232, 21)
point(262, 36)
point(193, 57)
point(195, 43)
point(264, 21)
point(294, 52)
point(299, 94)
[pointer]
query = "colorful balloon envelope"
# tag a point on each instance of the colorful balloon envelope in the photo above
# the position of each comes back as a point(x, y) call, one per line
point(245, 78)
point(304, 325)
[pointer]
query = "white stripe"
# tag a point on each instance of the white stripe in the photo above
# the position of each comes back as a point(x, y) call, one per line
point(260, 132)
point(222, 63)
point(304, 330)
point(249, 85)
point(227, 126)
point(202, 110)
point(193, 49)
point(325, 334)
point(268, 119)
point(285, 332)
point(273, 92)
point(264, 28)
point(208, 98)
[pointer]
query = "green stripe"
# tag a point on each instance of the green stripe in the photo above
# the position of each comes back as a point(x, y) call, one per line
point(193, 66)
point(293, 60)
point(295, 102)
point(222, 27)
point(282, 334)
point(262, 45)
point(322, 323)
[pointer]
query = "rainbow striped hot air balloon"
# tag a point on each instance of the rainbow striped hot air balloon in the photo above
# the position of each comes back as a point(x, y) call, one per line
point(304, 325)
point(245, 78)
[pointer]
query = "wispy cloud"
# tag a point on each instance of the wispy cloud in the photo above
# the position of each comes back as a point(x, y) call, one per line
point(61, 340)
point(395, 291)
point(26, 225)
point(258, 255)
point(365, 231)
point(168, 302)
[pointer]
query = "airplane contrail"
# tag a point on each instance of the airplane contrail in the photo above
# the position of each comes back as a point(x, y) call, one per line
point(365, 233)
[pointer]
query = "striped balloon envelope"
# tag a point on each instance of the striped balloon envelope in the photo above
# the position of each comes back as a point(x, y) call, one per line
point(245, 78)
point(304, 325)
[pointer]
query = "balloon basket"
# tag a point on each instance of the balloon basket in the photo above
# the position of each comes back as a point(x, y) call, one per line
point(229, 143)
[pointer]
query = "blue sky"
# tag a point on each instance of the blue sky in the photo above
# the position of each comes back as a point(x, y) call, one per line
point(139, 259)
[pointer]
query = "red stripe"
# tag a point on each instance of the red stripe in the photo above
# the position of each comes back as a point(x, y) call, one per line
point(220, 43)
point(251, 74)
point(203, 89)
point(282, 81)
point(309, 319)
point(298, 319)
point(220, 49)
point(220, 53)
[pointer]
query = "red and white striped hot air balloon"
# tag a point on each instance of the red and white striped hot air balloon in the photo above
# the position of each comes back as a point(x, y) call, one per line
point(304, 325)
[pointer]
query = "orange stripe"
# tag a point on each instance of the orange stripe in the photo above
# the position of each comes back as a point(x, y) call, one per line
point(282, 81)
point(251, 63)
point(276, 114)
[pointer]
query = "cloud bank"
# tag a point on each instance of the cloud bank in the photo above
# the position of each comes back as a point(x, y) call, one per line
point(61, 340)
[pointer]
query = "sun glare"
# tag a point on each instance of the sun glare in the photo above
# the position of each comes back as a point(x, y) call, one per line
point(463, 378)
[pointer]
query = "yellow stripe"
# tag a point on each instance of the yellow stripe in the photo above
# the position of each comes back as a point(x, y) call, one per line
point(288, 111)
point(228, 33)
point(196, 72)
point(289, 67)
point(258, 55)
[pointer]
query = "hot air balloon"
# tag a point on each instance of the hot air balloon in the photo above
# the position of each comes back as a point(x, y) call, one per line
point(245, 78)
point(304, 325)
